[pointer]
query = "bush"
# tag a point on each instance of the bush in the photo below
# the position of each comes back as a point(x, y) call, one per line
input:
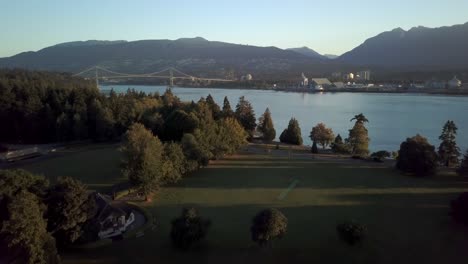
point(417, 156)
point(188, 229)
point(339, 146)
point(268, 225)
point(351, 232)
point(459, 209)
point(314, 148)
point(463, 169)
point(379, 156)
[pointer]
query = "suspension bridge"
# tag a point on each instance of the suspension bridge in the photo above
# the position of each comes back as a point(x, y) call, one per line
point(170, 73)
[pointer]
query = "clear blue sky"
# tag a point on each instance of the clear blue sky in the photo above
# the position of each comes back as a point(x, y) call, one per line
point(327, 26)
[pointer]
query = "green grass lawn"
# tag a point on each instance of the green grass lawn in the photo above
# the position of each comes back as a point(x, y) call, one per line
point(96, 165)
point(407, 218)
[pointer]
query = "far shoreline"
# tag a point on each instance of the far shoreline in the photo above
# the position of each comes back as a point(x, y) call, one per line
point(439, 92)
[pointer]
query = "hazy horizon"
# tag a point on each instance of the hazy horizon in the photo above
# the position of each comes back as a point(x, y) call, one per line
point(328, 28)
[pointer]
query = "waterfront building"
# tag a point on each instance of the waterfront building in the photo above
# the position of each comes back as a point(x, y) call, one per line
point(434, 84)
point(339, 85)
point(454, 83)
point(320, 84)
point(305, 80)
point(349, 76)
point(364, 75)
point(336, 75)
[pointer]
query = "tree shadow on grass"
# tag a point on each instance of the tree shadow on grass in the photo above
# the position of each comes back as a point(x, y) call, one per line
point(402, 228)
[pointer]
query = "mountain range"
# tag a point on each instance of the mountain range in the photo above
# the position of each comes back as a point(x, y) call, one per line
point(435, 48)
point(419, 48)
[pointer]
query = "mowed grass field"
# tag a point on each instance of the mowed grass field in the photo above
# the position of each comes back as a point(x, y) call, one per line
point(407, 218)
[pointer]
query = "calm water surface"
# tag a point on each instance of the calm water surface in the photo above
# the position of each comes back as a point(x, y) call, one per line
point(393, 117)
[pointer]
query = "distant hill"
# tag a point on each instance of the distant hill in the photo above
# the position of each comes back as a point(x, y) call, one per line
point(418, 48)
point(196, 56)
point(308, 52)
point(331, 56)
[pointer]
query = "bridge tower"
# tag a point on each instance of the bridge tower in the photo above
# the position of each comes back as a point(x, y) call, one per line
point(171, 78)
point(97, 77)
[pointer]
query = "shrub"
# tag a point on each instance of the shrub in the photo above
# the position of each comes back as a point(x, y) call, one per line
point(379, 156)
point(188, 229)
point(459, 208)
point(351, 232)
point(463, 169)
point(339, 146)
point(268, 225)
point(314, 148)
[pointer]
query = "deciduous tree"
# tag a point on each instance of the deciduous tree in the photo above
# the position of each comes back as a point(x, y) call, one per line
point(417, 156)
point(69, 207)
point(322, 135)
point(188, 229)
point(268, 225)
point(142, 163)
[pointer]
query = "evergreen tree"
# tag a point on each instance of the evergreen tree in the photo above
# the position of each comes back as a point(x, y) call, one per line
point(180, 122)
point(266, 127)
point(246, 116)
point(292, 134)
point(463, 169)
point(227, 110)
point(358, 138)
point(448, 149)
point(213, 107)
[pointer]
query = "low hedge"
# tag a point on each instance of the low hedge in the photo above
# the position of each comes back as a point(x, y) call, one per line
point(122, 193)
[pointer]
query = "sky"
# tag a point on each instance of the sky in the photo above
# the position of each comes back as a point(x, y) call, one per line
point(329, 27)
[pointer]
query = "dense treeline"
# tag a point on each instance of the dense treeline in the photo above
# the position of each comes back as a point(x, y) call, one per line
point(41, 107)
point(45, 107)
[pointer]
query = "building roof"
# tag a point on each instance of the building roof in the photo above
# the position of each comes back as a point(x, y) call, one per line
point(106, 209)
point(321, 81)
point(339, 84)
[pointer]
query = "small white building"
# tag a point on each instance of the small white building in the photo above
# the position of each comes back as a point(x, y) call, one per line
point(113, 221)
point(305, 80)
point(454, 83)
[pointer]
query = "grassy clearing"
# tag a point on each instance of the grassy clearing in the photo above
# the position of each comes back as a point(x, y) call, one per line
point(407, 218)
point(96, 165)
